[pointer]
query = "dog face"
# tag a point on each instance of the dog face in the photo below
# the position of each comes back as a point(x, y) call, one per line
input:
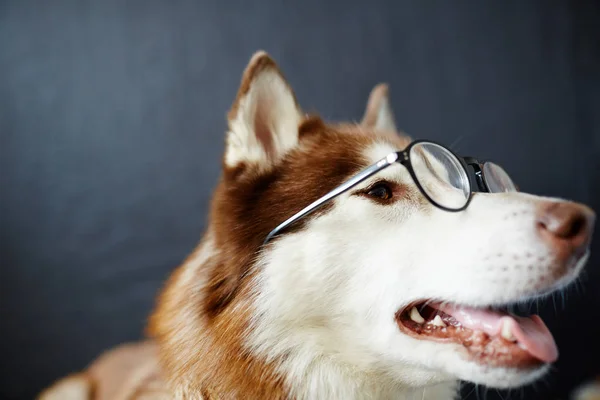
point(379, 282)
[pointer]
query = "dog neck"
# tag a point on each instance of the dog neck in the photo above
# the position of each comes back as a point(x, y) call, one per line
point(207, 357)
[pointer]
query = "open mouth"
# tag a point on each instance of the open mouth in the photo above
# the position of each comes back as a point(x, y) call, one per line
point(491, 336)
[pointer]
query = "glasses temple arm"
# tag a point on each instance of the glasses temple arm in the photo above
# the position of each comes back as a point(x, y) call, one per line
point(356, 179)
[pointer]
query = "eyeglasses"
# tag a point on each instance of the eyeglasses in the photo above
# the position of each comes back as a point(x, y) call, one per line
point(441, 176)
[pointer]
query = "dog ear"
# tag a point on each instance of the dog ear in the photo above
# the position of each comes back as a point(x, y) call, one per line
point(264, 118)
point(379, 115)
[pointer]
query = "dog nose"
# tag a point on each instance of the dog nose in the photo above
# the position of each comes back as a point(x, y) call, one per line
point(566, 226)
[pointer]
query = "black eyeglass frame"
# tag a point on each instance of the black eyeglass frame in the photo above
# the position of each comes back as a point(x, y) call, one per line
point(401, 157)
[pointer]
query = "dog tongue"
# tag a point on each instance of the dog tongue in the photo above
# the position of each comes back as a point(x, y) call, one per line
point(531, 333)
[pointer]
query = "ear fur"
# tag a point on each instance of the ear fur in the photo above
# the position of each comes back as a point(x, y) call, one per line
point(264, 118)
point(379, 115)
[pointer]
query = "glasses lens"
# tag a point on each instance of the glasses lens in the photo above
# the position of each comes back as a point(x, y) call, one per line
point(441, 175)
point(496, 179)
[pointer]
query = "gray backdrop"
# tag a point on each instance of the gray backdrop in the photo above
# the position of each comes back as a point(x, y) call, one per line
point(112, 116)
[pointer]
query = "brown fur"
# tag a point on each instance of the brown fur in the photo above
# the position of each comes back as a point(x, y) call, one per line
point(203, 313)
point(206, 348)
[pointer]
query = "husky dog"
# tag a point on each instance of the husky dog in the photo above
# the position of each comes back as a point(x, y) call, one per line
point(347, 261)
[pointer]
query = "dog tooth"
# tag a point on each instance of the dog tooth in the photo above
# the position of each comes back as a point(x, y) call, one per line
point(507, 333)
point(437, 321)
point(415, 316)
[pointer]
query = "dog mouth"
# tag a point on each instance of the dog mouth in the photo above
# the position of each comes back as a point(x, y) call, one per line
point(490, 336)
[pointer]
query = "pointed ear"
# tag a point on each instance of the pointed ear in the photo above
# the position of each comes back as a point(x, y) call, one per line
point(264, 118)
point(379, 114)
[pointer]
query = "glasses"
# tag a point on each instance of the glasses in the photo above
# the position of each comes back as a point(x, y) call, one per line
point(441, 176)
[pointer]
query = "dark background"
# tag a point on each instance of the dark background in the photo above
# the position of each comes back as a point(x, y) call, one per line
point(112, 117)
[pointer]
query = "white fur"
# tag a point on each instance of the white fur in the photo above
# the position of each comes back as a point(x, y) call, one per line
point(385, 117)
point(326, 296)
point(270, 105)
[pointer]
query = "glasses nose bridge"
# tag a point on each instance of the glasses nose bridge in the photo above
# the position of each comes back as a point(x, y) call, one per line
point(476, 173)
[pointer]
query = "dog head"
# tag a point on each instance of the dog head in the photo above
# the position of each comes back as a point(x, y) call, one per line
point(378, 282)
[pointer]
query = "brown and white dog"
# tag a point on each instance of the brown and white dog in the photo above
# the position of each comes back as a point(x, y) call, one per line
point(330, 308)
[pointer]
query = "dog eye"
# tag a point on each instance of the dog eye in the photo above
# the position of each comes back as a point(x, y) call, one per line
point(380, 191)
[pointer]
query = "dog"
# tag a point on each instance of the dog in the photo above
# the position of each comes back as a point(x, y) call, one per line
point(376, 292)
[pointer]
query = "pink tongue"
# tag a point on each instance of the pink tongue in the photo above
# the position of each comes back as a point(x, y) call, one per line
point(531, 333)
